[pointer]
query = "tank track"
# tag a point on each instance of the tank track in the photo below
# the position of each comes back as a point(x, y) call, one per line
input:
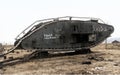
point(36, 51)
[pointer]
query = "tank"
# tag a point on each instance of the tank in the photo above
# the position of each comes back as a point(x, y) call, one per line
point(64, 33)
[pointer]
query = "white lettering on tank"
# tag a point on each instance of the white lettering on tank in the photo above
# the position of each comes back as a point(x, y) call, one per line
point(50, 36)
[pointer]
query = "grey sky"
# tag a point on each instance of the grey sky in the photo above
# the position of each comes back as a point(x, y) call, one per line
point(16, 15)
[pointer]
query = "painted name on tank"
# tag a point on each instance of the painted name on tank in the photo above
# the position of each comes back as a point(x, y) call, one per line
point(51, 36)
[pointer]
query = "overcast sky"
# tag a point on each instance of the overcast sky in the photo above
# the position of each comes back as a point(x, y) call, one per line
point(16, 15)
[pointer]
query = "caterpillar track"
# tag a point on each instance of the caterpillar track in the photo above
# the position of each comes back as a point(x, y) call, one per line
point(60, 34)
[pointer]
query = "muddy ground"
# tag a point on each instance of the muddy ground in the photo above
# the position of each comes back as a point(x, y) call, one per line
point(100, 61)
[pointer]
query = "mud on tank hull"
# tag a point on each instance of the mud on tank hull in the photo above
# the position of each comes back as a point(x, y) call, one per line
point(65, 34)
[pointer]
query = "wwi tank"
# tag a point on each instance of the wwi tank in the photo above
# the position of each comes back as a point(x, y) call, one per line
point(63, 33)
